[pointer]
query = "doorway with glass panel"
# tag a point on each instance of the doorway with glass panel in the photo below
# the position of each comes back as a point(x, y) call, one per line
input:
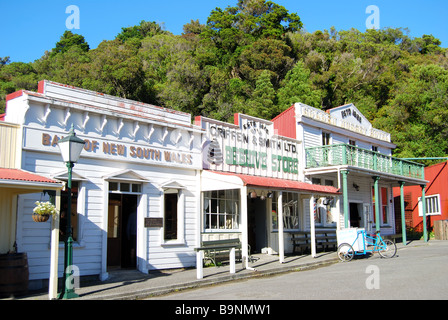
point(122, 225)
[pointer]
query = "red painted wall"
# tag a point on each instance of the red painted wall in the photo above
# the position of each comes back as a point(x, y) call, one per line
point(437, 175)
point(285, 123)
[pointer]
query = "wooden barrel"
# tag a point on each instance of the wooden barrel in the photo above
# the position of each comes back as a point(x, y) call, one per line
point(13, 275)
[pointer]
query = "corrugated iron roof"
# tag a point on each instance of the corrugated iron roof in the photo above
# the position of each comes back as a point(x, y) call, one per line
point(22, 175)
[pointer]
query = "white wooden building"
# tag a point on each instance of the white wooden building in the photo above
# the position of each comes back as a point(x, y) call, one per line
point(341, 148)
point(251, 186)
point(257, 180)
point(138, 158)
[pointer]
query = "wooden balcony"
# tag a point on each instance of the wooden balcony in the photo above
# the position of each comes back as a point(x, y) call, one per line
point(348, 155)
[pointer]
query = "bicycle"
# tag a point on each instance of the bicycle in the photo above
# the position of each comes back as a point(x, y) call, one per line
point(385, 248)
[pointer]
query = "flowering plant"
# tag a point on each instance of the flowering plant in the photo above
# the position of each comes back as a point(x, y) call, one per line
point(44, 208)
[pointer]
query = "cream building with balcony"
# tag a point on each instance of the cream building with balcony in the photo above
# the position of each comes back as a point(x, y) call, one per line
point(341, 148)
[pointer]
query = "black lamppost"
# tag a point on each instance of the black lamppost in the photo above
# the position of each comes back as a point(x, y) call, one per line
point(70, 147)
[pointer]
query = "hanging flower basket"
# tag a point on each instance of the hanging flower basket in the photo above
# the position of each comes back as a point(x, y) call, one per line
point(40, 217)
point(43, 211)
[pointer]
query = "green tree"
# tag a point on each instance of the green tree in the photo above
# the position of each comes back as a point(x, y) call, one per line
point(235, 27)
point(115, 68)
point(265, 54)
point(68, 40)
point(417, 116)
point(262, 103)
point(141, 31)
point(297, 87)
point(15, 76)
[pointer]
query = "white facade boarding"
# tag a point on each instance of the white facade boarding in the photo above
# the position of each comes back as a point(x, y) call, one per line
point(150, 186)
point(137, 158)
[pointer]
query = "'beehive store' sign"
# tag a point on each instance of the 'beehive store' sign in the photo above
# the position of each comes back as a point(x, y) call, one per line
point(251, 148)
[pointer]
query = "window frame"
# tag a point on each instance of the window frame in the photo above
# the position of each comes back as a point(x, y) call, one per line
point(220, 218)
point(180, 240)
point(385, 206)
point(435, 199)
point(286, 198)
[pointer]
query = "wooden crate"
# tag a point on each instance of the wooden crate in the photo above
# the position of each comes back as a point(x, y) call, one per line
point(441, 229)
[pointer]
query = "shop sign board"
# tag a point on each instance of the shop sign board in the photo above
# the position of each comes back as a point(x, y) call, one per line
point(249, 147)
point(101, 148)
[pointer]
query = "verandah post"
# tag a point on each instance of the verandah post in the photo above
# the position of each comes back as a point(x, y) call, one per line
point(403, 221)
point(345, 196)
point(377, 203)
point(281, 244)
point(425, 232)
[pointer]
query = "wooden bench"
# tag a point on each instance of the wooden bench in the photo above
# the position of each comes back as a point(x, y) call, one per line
point(214, 249)
point(393, 237)
point(210, 250)
point(325, 239)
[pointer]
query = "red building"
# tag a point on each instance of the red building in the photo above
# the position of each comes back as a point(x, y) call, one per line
point(436, 195)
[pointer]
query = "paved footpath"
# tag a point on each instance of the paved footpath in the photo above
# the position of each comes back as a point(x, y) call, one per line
point(132, 285)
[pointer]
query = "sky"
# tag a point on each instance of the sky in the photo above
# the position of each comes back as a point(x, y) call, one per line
point(30, 27)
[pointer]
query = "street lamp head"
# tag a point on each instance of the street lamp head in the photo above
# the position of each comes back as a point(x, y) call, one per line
point(71, 147)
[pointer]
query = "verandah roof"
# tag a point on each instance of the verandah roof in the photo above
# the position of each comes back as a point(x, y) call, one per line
point(275, 183)
point(18, 178)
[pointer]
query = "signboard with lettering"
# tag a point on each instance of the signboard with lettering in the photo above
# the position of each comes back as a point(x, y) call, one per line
point(351, 114)
point(119, 150)
point(153, 222)
point(251, 147)
point(347, 117)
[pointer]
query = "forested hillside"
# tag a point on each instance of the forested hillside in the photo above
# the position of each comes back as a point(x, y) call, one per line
point(256, 58)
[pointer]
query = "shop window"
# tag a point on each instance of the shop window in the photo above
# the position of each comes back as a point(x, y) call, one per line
point(221, 208)
point(325, 142)
point(384, 205)
point(329, 183)
point(125, 187)
point(173, 210)
point(323, 211)
point(170, 217)
point(318, 214)
point(325, 138)
point(290, 205)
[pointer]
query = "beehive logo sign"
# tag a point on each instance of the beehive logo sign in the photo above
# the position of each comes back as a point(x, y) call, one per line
point(214, 153)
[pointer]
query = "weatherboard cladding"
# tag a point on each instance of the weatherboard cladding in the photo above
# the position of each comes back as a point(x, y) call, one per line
point(47, 115)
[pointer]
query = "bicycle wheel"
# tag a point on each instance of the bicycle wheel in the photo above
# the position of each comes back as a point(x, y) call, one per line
point(388, 249)
point(345, 252)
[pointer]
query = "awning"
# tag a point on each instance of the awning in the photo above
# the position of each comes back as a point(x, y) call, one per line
point(279, 184)
point(21, 179)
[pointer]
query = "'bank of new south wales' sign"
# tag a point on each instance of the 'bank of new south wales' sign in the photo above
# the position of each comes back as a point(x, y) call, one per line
point(115, 150)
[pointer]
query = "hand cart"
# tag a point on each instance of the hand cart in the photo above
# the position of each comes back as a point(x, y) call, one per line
point(355, 241)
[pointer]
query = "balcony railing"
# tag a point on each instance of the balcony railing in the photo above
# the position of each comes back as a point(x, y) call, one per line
point(344, 154)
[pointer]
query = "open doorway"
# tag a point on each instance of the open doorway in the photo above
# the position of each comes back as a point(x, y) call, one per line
point(122, 231)
point(257, 224)
point(355, 215)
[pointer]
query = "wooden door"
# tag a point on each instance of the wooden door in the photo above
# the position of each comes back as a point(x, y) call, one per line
point(114, 233)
